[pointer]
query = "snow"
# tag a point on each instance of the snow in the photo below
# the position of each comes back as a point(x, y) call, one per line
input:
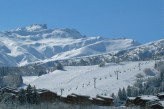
point(37, 43)
point(99, 99)
point(160, 94)
point(79, 79)
point(36, 27)
point(28, 79)
point(149, 98)
point(131, 98)
point(162, 102)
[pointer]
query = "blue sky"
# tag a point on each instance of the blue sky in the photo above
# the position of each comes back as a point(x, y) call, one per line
point(142, 20)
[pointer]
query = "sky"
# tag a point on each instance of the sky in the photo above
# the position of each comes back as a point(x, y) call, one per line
point(141, 20)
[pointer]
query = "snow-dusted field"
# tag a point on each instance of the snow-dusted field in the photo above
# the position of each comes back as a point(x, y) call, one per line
point(80, 79)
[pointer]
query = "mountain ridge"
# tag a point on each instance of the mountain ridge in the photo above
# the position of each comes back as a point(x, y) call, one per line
point(36, 43)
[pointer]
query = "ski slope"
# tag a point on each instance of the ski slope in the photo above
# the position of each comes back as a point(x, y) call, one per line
point(80, 79)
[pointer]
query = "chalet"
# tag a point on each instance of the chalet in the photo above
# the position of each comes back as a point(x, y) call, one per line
point(9, 97)
point(76, 99)
point(46, 95)
point(103, 100)
point(162, 102)
point(9, 90)
point(62, 98)
point(156, 106)
point(98, 101)
point(71, 99)
point(81, 99)
point(130, 101)
point(145, 100)
point(160, 96)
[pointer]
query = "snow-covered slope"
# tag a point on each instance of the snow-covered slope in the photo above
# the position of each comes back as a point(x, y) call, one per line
point(37, 43)
point(146, 51)
point(80, 79)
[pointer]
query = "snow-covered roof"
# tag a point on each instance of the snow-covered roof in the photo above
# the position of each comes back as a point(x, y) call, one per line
point(44, 90)
point(81, 95)
point(72, 95)
point(98, 99)
point(63, 96)
point(104, 97)
point(131, 98)
point(160, 94)
point(159, 104)
point(9, 88)
point(162, 102)
point(149, 98)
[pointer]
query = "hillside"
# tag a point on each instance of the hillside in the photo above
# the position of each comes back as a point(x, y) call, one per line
point(148, 51)
point(80, 79)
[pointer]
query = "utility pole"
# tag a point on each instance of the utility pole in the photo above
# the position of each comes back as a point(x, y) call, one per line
point(117, 74)
point(139, 65)
point(61, 91)
point(94, 82)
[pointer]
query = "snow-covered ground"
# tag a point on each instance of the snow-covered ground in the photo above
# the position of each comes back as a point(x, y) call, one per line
point(80, 79)
point(29, 79)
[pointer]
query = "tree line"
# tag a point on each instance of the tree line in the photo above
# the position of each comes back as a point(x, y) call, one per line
point(150, 86)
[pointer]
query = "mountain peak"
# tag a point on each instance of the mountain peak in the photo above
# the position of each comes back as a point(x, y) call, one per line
point(67, 33)
point(36, 27)
point(33, 27)
point(42, 30)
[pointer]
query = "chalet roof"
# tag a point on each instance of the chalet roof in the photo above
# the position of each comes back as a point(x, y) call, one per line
point(40, 91)
point(71, 96)
point(99, 99)
point(159, 104)
point(104, 97)
point(131, 98)
point(80, 95)
point(9, 88)
point(90, 98)
point(63, 96)
point(160, 94)
point(148, 98)
point(162, 103)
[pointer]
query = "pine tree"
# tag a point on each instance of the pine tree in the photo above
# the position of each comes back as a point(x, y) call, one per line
point(22, 96)
point(102, 64)
point(112, 95)
point(119, 93)
point(162, 87)
point(35, 96)
point(162, 76)
point(59, 66)
point(116, 101)
point(129, 91)
point(124, 96)
point(29, 94)
point(82, 62)
point(135, 92)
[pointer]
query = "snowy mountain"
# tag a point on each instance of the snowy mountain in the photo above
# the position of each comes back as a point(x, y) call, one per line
point(37, 43)
point(148, 51)
point(41, 49)
point(78, 76)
